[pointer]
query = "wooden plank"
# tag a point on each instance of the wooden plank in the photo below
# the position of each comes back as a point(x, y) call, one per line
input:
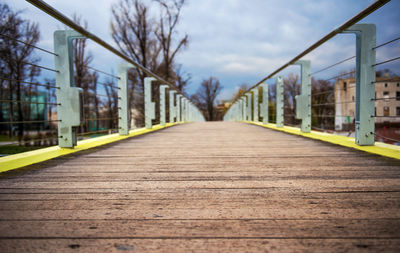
point(200, 245)
point(212, 187)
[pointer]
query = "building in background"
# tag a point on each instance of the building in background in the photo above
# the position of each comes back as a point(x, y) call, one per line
point(387, 105)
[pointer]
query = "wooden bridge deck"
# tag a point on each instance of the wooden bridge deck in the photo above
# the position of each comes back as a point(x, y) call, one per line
point(215, 187)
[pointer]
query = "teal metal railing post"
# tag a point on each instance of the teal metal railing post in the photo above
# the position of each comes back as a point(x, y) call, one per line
point(123, 99)
point(172, 107)
point(69, 98)
point(303, 101)
point(264, 104)
point(255, 104)
point(279, 101)
point(163, 105)
point(184, 109)
point(365, 82)
point(178, 107)
point(149, 105)
point(249, 105)
point(244, 107)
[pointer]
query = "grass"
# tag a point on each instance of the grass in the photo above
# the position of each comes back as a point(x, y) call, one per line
point(14, 149)
point(4, 138)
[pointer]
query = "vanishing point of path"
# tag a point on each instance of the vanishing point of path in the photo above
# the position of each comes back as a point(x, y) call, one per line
point(205, 187)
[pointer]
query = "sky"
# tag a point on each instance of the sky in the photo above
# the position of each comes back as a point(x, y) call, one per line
point(238, 41)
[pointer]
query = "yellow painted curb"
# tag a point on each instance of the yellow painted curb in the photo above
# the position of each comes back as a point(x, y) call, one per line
point(31, 157)
point(380, 148)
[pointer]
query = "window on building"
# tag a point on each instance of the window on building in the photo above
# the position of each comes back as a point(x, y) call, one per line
point(352, 98)
point(398, 84)
point(397, 111)
point(397, 95)
point(344, 86)
point(385, 85)
point(386, 95)
point(386, 111)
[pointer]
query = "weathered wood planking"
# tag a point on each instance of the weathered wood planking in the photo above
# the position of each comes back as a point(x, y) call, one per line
point(205, 187)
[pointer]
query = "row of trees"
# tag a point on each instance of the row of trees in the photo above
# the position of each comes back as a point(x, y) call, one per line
point(16, 68)
point(323, 115)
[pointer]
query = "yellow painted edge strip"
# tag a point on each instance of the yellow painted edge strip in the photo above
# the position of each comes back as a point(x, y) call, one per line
point(380, 148)
point(31, 157)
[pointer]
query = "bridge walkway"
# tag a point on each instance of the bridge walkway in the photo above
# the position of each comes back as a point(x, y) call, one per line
point(213, 186)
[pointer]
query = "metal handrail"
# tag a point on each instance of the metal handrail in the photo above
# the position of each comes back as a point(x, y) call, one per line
point(362, 14)
point(67, 21)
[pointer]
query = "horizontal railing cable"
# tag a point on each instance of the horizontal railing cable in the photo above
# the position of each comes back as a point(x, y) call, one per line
point(41, 67)
point(384, 137)
point(108, 84)
point(388, 98)
point(28, 44)
point(97, 132)
point(330, 116)
point(31, 83)
point(390, 60)
point(333, 65)
point(336, 103)
point(100, 119)
point(383, 44)
point(362, 14)
point(28, 121)
point(32, 141)
point(105, 73)
point(26, 102)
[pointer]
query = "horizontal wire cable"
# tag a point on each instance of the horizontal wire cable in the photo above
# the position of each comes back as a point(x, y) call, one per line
point(322, 129)
point(325, 92)
point(108, 84)
point(374, 116)
point(28, 122)
point(388, 80)
point(331, 116)
point(383, 44)
point(30, 141)
point(333, 65)
point(31, 83)
point(20, 41)
point(95, 119)
point(345, 102)
point(376, 99)
point(96, 132)
point(348, 73)
point(384, 137)
point(390, 60)
point(105, 73)
point(42, 67)
point(26, 102)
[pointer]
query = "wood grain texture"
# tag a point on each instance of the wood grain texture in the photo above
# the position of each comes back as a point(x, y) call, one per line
point(205, 187)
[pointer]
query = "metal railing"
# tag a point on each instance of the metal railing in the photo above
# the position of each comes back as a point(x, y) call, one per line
point(308, 105)
point(70, 103)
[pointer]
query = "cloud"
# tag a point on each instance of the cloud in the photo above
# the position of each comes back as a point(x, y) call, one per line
point(240, 41)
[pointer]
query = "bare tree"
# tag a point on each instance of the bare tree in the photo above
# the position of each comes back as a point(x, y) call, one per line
point(182, 78)
point(323, 115)
point(165, 33)
point(133, 30)
point(150, 43)
point(206, 96)
point(16, 60)
point(82, 76)
point(291, 89)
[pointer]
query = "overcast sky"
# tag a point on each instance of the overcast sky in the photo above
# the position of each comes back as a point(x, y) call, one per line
point(239, 41)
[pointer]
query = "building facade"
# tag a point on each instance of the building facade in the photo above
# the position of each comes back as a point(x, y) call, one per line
point(387, 103)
